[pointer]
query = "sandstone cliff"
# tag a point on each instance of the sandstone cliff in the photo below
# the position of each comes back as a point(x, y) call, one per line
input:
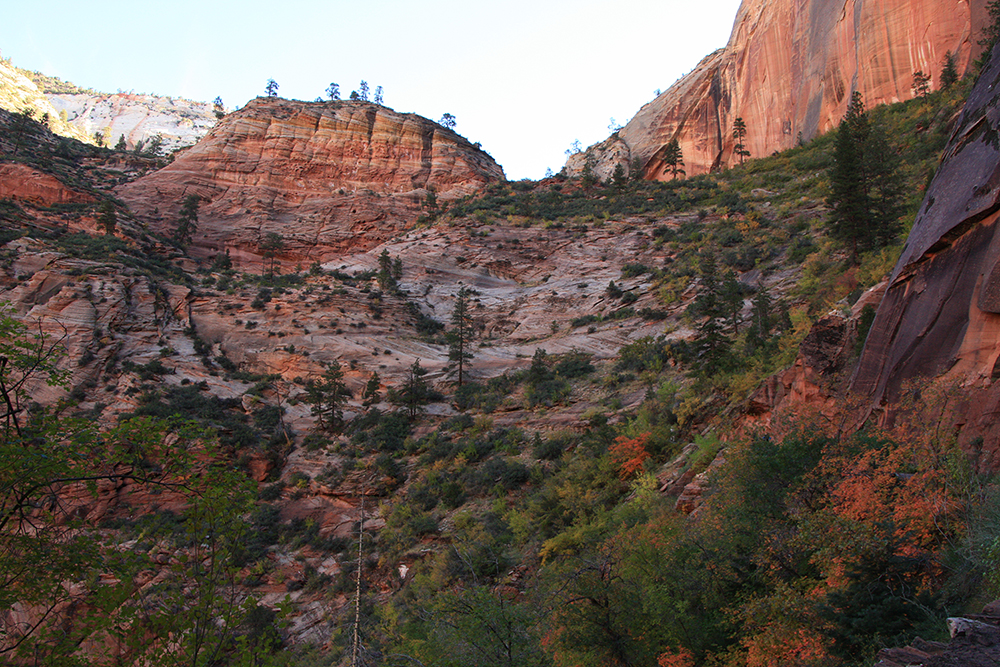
point(19, 93)
point(789, 70)
point(327, 176)
point(940, 319)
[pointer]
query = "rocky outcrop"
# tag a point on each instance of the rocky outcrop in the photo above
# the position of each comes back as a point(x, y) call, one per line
point(19, 93)
point(137, 118)
point(939, 322)
point(21, 182)
point(789, 70)
point(327, 176)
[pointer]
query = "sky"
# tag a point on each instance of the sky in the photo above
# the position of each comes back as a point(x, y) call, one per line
point(525, 78)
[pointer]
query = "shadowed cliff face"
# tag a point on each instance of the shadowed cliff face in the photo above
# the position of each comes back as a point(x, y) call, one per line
point(940, 318)
point(789, 70)
point(328, 176)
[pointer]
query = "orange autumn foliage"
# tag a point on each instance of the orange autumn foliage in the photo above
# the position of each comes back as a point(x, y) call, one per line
point(681, 658)
point(629, 454)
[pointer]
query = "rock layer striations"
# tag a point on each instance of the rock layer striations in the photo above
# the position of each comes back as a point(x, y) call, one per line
point(327, 176)
point(789, 70)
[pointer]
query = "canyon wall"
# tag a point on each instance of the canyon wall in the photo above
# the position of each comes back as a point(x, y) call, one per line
point(933, 350)
point(789, 70)
point(329, 177)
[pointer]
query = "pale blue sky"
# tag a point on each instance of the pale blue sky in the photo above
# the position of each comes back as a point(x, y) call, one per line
point(523, 77)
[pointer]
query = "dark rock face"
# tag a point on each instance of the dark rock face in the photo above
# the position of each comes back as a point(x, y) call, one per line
point(940, 319)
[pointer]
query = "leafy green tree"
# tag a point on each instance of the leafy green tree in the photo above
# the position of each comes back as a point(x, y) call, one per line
point(949, 71)
point(866, 188)
point(460, 336)
point(328, 395)
point(739, 139)
point(673, 160)
point(108, 218)
point(187, 220)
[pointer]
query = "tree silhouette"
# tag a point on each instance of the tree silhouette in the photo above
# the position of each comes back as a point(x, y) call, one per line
point(271, 246)
point(460, 336)
point(378, 95)
point(187, 220)
point(327, 396)
point(272, 88)
point(363, 91)
point(949, 72)
point(333, 91)
point(673, 160)
point(739, 137)
point(448, 121)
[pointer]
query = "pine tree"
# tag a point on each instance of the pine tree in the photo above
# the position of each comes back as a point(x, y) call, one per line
point(371, 395)
point(386, 282)
point(378, 95)
point(460, 336)
point(949, 71)
point(363, 91)
point(271, 88)
point(739, 138)
point(673, 160)
point(866, 188)
point(108, 220)
point(731, 293)
point(271, 246)
point(187, 220)
point(414, 393)
point(921, 84)
point(327, 396)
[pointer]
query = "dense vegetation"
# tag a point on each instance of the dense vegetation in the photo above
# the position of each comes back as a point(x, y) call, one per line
point(524, 546)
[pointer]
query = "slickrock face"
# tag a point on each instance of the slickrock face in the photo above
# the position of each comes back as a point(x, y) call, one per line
point(177, 121)
point(940, 318)
point(21, 182)
point(327, 176)
point(19, 93)
point(789, 71)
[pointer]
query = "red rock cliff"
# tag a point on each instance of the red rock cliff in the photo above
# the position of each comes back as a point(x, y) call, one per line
point(789, 70)
point(327, 176)
point(935, 342)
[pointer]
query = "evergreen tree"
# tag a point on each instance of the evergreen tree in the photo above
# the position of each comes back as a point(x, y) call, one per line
point(378, 95)
point(397, 269)
point(121, 146)
point(711, 344)
point(271, 88)
point(327, 396)
point(371, 395)
point(108, 219)
point(270, 247)
point(759, 333)
point(739, 138)
point(333, 91)
point(218, 108)
point(363, 91)
point(949, 71)
point(991, 33)
point(866, 188)
point(921, 84)
point(187, 220)
point(385, 280)
point(414, 393)
point(731, 293)
point(460, 336)
point(673, 160)
point(448, 121)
